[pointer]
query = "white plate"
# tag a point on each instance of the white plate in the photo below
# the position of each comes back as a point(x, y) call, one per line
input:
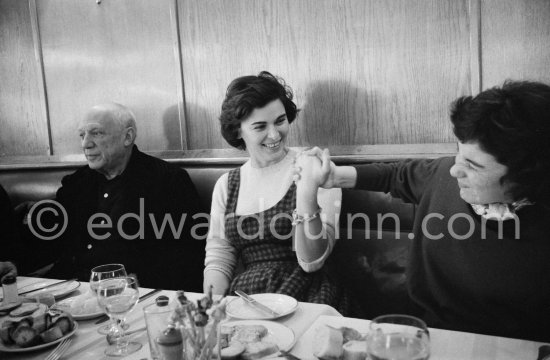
point(57, 291)
point(282, 304)
point(76, 306)
point(277, 333)
point(16, 349)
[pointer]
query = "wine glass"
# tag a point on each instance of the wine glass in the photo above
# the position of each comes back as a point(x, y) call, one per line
point(398, 337)
point(102, 272)
point(107, 271)
point(117, 297)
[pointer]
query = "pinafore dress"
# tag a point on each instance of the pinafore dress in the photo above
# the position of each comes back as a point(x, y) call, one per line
point(270, 264)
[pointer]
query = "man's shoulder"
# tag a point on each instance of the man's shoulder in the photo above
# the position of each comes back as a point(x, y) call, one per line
point(83, 173)
point(156, 167)
point(157, 163)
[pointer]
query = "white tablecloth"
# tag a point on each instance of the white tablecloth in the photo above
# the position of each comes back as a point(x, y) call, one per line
point(89, 344)
point(446, 345)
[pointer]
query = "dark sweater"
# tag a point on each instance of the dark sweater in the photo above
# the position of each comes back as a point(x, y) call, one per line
point(166, 261)
point(468, 281)
point(9, 238)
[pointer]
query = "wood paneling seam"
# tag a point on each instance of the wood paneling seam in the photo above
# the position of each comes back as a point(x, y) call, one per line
point(176, 43)
point(40, 60)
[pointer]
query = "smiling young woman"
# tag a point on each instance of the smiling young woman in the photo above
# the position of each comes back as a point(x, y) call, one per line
point(255, 207)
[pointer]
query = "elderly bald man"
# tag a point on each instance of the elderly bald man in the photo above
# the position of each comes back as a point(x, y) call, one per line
point(121, 208)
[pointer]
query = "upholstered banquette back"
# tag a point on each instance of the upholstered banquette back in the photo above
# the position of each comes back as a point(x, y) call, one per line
point(370, 257)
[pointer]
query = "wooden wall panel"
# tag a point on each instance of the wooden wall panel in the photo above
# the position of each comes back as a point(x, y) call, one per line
point(515, 38)
point(121, 51)
point(364, 72)
point(23, 123)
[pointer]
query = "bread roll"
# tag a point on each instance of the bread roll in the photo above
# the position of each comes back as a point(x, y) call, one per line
point(258, 350)
point(248, 333)
point(232, 351)
point(327, 344)
point(355, 350)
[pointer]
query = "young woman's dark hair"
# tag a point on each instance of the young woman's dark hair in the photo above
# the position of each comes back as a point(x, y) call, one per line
point(512, 123)
point(247, 93)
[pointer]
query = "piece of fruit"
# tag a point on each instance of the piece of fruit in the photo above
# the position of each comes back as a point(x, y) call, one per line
point(5, 331)
point(27, 321)
point(51, 334)
point(64, 322)
point(41, 322)
point(25, 336)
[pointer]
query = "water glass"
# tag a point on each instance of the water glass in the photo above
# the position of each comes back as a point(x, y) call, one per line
point(117, 297)
point(107, 271)
point(102, 272)
point(398, 337)
point(157, 319)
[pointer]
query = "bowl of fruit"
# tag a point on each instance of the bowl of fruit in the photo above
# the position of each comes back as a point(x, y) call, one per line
point(34, 331)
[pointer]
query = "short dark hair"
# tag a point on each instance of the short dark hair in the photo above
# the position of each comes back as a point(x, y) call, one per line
point(512, 123)
point(247, 93)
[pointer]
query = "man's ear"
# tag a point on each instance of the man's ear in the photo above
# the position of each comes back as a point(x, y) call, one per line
point(129, 136)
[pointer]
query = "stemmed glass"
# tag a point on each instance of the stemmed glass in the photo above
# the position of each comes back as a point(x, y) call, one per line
point(117, 297)
point(398, 337)
point(102, 272)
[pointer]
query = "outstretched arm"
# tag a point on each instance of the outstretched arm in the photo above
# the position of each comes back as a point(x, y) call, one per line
point(329, 175)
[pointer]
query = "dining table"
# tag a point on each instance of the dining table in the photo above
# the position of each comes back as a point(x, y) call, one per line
point(87, 343)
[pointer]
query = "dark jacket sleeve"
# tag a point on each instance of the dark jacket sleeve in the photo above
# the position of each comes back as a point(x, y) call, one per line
point(404, 179)
point(9, 236)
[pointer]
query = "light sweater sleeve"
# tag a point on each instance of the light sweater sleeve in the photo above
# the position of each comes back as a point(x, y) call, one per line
point(330, 201)
point(221, 256)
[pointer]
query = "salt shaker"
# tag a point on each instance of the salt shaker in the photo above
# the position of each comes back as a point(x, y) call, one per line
point(170, 344)
point(9, 286)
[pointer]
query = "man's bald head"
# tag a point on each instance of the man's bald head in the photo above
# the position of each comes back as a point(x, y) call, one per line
point(117, 113)
point(108, 132)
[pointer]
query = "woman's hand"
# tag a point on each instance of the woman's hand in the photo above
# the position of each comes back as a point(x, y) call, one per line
point(315, 168)
point(216, 282)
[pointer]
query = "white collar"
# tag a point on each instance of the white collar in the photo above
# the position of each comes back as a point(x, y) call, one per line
point(500, 211)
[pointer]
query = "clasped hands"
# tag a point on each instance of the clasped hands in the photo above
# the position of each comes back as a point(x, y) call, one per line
point(312, 167)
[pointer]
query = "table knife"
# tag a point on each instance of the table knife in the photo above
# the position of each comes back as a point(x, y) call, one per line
point(141, 298)
point(254, 303)
point(47, 286)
